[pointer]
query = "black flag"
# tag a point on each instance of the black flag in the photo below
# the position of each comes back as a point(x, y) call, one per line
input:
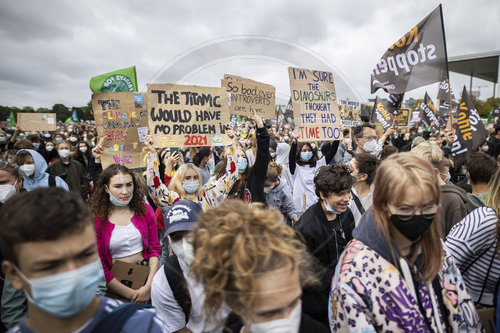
point(382, 113)
point(444, 93)
point(428, 114)
point(417, 59)
point(470, 133)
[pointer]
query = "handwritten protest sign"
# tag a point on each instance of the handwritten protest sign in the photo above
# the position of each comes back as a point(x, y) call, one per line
point(34, 121)
point(182, 115)
point(350, 112)
point(315, 105)
point(403, 117)
point(247, 95)
point(121, 119)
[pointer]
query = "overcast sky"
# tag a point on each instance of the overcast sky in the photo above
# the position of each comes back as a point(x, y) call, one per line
point(51, 49)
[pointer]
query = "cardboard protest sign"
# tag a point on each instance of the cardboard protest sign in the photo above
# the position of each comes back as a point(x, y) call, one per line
point(350, 112)
point(417, 59)
point(244, 96)
point(34, 121)
point(181, 115)
point(231, 77)
point(403, 117)
point(121, 119)
point(315, 105)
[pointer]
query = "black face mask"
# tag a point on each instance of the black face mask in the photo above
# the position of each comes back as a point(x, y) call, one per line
point(412, 228)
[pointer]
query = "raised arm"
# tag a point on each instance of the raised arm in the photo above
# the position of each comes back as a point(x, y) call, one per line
point(334, 146)
point(216, 192)
point(293, 155)
point(159, 192)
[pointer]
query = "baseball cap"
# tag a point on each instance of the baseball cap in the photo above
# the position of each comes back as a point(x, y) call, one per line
point(181, 216)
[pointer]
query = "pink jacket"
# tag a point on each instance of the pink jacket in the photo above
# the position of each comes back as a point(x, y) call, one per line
point(147, 227)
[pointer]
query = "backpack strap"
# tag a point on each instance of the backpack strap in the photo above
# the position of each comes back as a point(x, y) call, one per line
point(358, 203)
point(178, 284)
point(115, 320)
point(52, 180)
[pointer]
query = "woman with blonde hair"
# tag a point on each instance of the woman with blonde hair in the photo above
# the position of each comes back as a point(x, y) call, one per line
point(247, 258)
point(474, 244)
point(186, 182)
point(395, 274)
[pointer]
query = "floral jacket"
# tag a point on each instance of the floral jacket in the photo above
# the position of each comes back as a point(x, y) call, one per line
point(213, 192)
point(370, 294)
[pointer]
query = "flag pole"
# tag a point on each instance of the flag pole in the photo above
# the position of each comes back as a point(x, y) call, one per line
point(450, 120)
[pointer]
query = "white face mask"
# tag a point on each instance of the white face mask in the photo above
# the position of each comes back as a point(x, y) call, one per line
point(373, 147)
point(83, 149)
point(49, 148)
point(347, 141)
point(7, 191)
point(64, 153)
point(184, 251)
point(286, 325)
point(28, 169)
point(268, 189)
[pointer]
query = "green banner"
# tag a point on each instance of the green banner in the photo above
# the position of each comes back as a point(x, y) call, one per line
point(120, 80)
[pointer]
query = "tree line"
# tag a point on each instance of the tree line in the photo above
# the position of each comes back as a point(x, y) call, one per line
point(62, 112)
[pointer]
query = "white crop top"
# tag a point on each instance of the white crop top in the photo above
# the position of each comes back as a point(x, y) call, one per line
point(125, 241)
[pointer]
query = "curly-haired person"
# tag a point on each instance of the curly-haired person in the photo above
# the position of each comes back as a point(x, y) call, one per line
point(247, 258)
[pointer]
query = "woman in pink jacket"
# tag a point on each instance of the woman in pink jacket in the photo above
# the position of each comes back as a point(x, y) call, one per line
point(125, 227)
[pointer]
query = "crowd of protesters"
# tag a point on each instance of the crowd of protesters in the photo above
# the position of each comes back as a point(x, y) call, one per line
point(379, 231)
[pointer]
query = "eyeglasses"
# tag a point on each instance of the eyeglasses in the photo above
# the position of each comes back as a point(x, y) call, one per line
point(369, 137)
point(405, 213)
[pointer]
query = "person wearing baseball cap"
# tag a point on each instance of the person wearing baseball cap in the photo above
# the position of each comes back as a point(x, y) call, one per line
point(175, 294)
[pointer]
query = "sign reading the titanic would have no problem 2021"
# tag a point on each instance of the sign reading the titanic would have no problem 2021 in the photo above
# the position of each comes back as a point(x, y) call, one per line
point(182, 115)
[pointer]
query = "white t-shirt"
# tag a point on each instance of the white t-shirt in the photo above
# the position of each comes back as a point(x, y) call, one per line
point(170, 311)
point(367, 202)
point(303, 182)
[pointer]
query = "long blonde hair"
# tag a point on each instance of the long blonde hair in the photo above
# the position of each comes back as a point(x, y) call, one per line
point(176, 182)
point(235, 243)
point(394, 176)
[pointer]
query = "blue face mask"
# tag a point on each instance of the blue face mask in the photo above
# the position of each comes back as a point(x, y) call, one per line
point(117, 203)
point(190, 187)
point(242, 164)
point(306, 155)
point(329, 208)
point(65, 294)
point(36, 145)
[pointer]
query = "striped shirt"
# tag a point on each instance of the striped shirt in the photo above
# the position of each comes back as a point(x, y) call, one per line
point(472, 243)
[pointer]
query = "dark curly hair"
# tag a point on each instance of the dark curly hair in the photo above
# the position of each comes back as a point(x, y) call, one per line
point(332, 178)
point(100, 206)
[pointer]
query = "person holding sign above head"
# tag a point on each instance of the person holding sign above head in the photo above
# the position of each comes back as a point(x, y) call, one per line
point(304, 163)
point(250, 185)
point(187, 181)
point(126, 230)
